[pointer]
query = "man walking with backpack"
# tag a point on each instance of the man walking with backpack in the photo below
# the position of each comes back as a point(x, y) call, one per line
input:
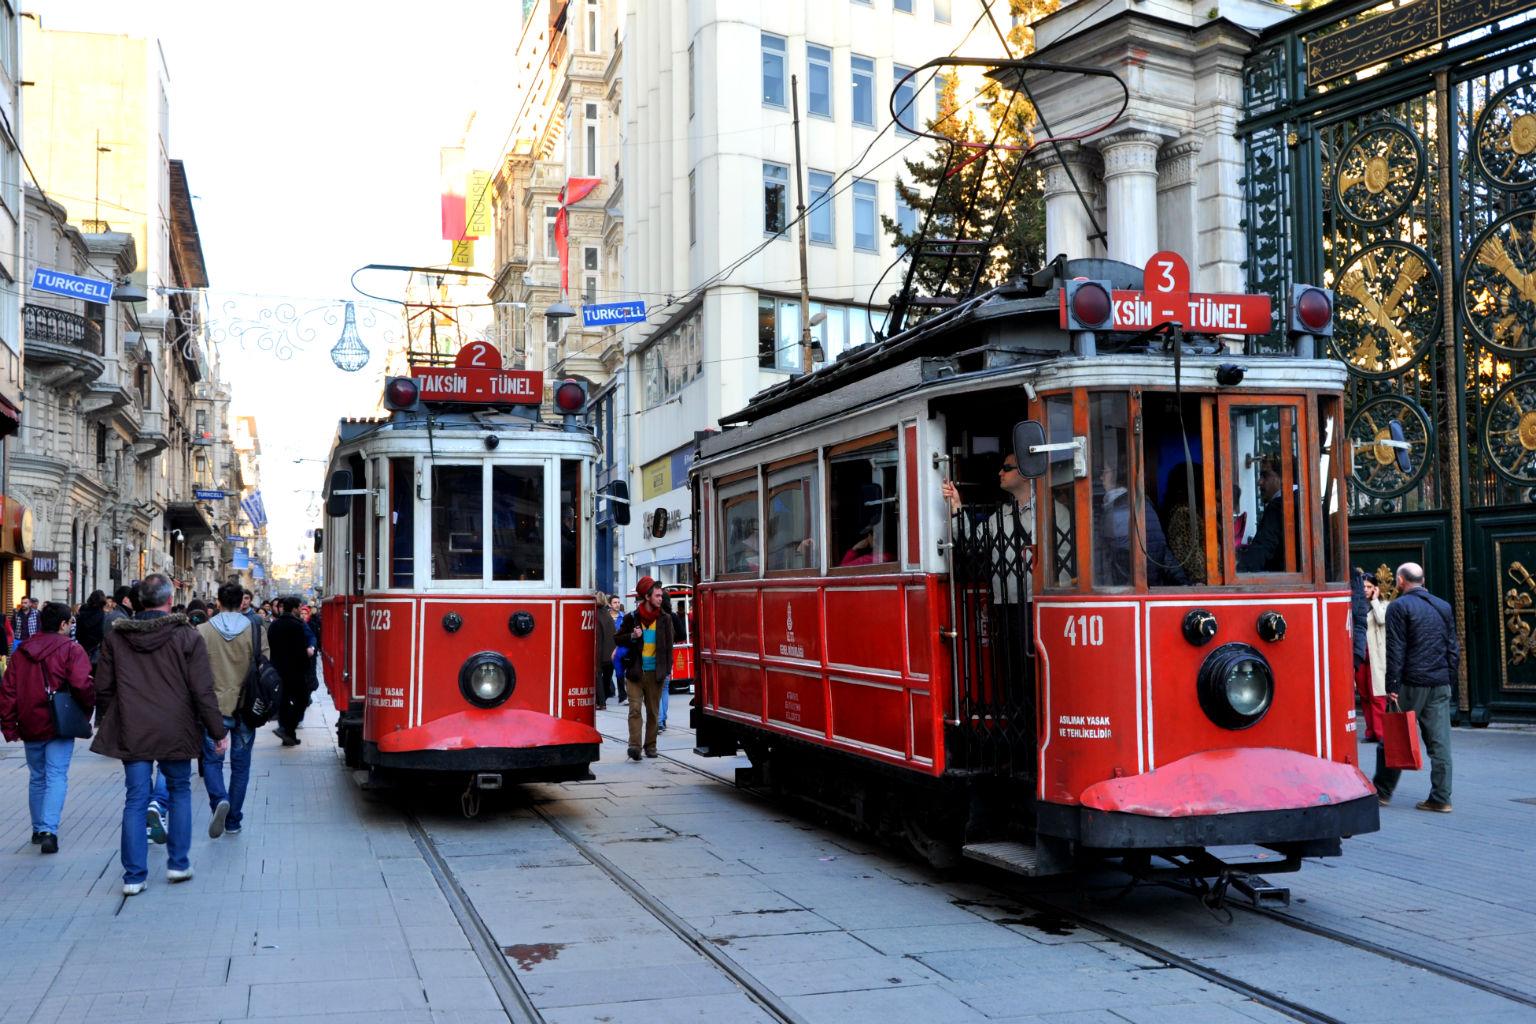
point(1422, 659)
point(234, 646)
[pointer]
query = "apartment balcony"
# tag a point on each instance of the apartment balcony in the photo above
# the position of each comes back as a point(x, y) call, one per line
point(61, 347)
point(152, 438)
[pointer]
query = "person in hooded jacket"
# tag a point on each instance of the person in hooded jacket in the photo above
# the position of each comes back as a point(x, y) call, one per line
point(229, 636)
point(48, 661)
point(155, 700)
point(90, 625)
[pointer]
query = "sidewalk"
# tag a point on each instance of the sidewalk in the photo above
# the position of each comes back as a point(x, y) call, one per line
point(316, 912)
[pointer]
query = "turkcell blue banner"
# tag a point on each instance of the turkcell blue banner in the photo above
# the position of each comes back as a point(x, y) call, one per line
point(202, 495)
point(603, 314)
point(71, 287)
point(241, 559)
point(257, 572)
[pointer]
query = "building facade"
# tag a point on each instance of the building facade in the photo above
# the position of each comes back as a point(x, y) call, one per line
point(14, 516)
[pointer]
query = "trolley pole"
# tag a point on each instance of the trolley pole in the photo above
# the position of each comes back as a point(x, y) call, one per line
point(805, 288)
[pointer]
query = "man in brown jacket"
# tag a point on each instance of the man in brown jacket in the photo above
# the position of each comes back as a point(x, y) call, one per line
point(228, 637)
point(154, 700)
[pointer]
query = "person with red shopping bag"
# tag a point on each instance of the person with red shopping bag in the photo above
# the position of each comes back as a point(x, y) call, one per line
point(1422, 659)
point(1371, 671)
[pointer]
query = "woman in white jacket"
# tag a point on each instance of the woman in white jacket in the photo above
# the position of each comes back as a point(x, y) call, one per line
point(1372, 682)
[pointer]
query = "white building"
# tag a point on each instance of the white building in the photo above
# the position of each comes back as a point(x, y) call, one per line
point(708, 177)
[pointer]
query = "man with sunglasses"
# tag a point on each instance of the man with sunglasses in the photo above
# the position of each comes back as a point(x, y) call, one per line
point(999, 534)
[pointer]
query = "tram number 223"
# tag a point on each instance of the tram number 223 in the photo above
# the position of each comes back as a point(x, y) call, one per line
point(1084, 630)
point(378, 618)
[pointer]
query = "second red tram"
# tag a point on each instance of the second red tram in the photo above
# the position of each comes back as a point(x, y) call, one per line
point(459, 621)
point(1130, 639)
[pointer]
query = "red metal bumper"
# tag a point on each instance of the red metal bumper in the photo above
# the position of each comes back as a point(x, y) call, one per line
point(487, 729)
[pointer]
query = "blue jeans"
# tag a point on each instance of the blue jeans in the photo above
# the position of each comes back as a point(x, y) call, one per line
point(135, 844)
point(49, 762)
point(666, 691)
point(240, 739)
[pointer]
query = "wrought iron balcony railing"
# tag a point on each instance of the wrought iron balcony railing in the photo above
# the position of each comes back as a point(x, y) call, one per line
point(47, 325)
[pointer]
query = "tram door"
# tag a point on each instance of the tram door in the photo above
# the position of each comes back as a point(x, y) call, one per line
point(990, 556)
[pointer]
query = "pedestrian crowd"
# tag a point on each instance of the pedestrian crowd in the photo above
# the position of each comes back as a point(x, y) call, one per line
point(1406, 659)
point(169, 685)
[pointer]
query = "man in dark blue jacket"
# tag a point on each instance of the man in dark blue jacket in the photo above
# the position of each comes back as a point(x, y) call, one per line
point(1422, 659)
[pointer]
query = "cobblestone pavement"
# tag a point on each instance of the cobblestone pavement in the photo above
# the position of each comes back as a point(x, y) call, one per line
point(324, 910)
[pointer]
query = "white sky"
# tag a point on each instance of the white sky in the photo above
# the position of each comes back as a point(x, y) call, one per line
point(310, 132)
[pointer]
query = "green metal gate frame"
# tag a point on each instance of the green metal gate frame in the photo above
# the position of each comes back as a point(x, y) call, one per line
point(1367, 147)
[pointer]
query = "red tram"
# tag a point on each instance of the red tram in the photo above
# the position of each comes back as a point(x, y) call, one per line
point(459, 620)
point(1131, 640)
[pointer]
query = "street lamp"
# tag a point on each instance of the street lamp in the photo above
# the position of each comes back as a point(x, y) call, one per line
point(560, 310)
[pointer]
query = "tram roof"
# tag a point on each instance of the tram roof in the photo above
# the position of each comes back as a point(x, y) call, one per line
point(450, 424)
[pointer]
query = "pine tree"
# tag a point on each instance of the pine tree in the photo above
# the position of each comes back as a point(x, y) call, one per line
point(961, 190)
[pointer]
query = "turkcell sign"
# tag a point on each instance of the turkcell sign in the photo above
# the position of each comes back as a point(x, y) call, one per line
point(71, 287)
point(604, 314)
point(479, 386)
point(202, 495)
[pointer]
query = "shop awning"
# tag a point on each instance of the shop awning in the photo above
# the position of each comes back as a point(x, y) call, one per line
point(189, 518)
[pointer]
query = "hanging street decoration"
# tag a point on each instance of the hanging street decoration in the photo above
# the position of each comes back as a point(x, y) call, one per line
point(349, 353)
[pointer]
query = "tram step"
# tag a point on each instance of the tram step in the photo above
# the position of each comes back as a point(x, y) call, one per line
point(1020, 858)
point(1260, 892)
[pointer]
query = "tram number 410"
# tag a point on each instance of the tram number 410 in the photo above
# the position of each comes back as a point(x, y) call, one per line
point(1084, 630)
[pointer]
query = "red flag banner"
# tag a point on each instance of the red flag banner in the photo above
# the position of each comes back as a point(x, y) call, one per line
point(576, 189)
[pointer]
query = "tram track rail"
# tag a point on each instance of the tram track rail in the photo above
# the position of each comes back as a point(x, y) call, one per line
point(1172, 959)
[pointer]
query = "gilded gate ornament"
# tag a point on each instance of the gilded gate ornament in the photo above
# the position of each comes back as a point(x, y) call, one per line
point(1386, 582)
point(1498, 287)
point(1505, 139)
point(1509, 430)
point(1391, 436)
point(1378, 173)
point(1388, 309)
point(1519, 613)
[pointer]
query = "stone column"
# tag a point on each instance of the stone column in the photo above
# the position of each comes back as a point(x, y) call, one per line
point(1068, 228)
point(1177, 203)
point(1130, 186)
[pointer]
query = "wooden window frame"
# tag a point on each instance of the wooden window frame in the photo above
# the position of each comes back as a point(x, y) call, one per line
point(1293, 408)
point(724, 501)
point(818, 543)
point(892, 436)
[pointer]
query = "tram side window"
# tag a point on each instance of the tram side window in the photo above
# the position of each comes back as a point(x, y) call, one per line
point(570, 523)
point(1177, 459)
point(1107, 429)
point(1332, 504)
point(1266, 488)
point(792, 508)
point(458, 515)
point(740, 552)
point(1062, 568)
point(517, 522)
point(863, 518)
point(402, 523)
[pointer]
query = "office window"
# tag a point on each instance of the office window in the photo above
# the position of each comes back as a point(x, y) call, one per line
point(592, 26)
point(906, 100)
point(773, 70)
point(591, 290)
point(906, 217)
point(819, 209)
point(778, 334)
point(591, 127)
point(551, 341)
point(904, 6)
point(818, 78)
point(941, 10)
point(863, 90)
point(589, 258)
point(775, 197)
point(550, 213)
point(693, 209)
point(692, 102)
point(864, 219)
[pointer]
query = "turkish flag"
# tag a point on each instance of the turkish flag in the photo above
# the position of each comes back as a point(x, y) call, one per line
point(576, 189)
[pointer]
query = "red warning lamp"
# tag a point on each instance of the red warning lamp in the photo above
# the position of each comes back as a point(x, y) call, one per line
point(1088, 306)
point(401, 394)
point(1311, 310)
point(570, 397)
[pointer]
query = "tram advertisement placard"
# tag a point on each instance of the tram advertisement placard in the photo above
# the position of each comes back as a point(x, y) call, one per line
point(482, 386)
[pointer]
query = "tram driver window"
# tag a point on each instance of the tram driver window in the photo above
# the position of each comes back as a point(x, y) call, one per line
point(458, 504)
point(1061, 570)
point(863, 520)
point(1112, 502)
point(402, 517)
point(740, 548)
point(517, 522)
point(1267, 491)
point(792, 507)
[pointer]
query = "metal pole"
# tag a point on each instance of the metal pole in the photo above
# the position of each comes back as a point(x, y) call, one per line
point(805, 288)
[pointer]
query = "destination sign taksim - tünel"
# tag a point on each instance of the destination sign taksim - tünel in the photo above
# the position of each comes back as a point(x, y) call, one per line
point(476, 377)
point(1166, 297)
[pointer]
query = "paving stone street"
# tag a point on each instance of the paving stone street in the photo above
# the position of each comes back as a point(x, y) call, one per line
point(327, 908)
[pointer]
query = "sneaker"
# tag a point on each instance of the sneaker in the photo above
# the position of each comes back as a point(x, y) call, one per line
point(232, 830)
point(50, 842)
point(602, 707)
point(133, 888)
point(173, 875)
point(216, 824)
point(1439, 807)
point(634, 754)
point(155, 821)
point(662, 727)
point(1383, 798)
point(37, 837)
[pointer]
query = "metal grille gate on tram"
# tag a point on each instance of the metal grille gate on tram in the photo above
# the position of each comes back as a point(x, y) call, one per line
point(1400, 168)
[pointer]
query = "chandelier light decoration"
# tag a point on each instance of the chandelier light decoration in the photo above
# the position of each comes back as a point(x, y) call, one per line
point(349, 353)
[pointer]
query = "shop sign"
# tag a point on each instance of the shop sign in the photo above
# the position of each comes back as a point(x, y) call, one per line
point(43, 566)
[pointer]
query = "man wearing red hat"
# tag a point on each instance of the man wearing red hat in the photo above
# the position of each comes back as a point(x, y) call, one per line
point(646, 632)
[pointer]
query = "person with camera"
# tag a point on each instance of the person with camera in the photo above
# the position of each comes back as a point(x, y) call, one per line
point(646, 638)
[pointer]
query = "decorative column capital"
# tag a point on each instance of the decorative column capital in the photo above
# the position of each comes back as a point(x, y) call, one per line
point(1130, 152)
point(1082, 162)
point(1178, 163)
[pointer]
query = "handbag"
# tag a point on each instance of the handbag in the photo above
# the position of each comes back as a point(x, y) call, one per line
point(69, 720)
point(1400, 741)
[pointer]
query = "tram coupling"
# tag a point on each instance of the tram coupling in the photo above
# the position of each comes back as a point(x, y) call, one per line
point(487, 780)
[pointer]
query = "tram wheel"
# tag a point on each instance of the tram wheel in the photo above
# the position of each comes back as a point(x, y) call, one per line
point(351, 746)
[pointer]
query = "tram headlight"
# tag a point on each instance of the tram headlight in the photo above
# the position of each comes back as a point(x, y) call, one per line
point(1236, 686)
point(486, 679)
